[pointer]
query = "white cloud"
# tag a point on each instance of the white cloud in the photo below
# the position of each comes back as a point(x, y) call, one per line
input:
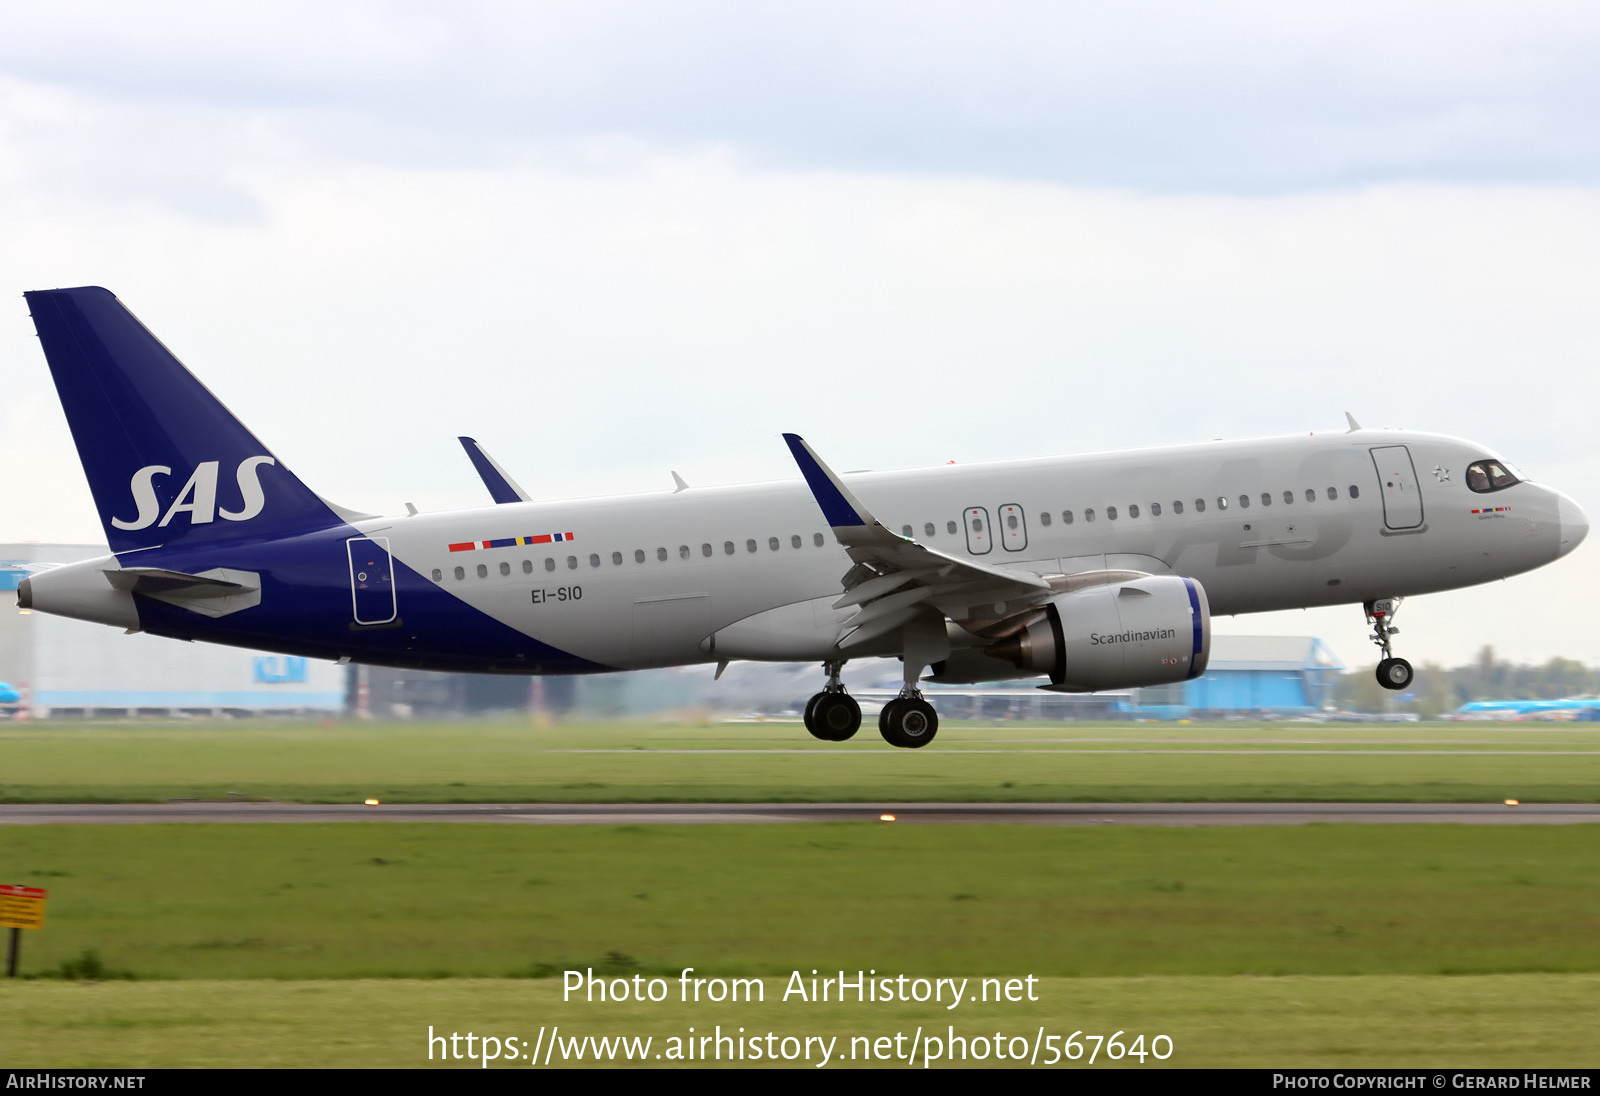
point(1245, 97)
point(598, 309)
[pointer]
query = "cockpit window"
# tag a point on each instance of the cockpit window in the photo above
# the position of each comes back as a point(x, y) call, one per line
point(1489, 475)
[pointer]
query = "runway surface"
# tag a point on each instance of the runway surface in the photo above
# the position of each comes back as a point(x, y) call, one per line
point(595, 814)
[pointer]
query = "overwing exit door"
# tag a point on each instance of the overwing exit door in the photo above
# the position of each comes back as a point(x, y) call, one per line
point(979, 536)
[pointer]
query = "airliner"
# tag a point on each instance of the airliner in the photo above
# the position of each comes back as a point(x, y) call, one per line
point(1090, 572)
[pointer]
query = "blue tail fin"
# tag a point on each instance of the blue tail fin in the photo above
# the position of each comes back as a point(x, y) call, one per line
point(166, 461)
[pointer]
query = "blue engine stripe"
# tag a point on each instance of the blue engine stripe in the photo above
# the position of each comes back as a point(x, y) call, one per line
point(1199, 629)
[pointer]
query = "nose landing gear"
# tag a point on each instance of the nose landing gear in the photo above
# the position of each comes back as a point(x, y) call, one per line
point(1393, 673)
point(833, 714)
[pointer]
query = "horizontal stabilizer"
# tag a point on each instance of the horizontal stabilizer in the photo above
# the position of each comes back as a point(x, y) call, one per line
point(159, 580)
point(212, 593)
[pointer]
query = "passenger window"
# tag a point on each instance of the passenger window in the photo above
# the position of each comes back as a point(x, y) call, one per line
point(727, 547)
point(750, 545)
point(816, 538)
point(1222, 503)
point(483, 570)
point(905, 531)
point(683, 551)
point(527, 566)
point(794, 541)
point(1066, 517)
point(1088, 515)
point(549, 563)
point(977, 525)
point(772, 544)
point(1244, 502)
point(1288, 498)
point(638, 555)
point(950, 527)
point(1133, 510)
point(572, 563)
point(1044, 518)
point(1011, 521)
point(1311, 494)
point(616, 559)
point(505, 569)
point(594, 559)
point(1155, 509)
point(705, 550)
point(460, 574)
point(661, 555)
point(1177, 507)
point(1199, 506)
point(1355, 492)
point(1266, 498)
point(1111, 513)
point(1333, 493)
point(927, 529)
point(437, 574)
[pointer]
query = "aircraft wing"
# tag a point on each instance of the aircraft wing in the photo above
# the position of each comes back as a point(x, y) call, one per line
point(502, 488)
point(896, 578)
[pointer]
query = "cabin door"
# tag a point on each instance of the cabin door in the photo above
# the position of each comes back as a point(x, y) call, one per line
point(1397, 479)
point(371, 580)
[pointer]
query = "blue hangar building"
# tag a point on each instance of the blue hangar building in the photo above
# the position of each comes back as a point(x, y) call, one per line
point(1278, 675)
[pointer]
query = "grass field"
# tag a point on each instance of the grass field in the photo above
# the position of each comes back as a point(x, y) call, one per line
point(645, 762)
point(401, 900)
point(1489, 1021)
point(303, 944)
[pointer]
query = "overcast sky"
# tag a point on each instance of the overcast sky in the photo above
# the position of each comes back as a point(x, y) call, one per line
point(613, 239)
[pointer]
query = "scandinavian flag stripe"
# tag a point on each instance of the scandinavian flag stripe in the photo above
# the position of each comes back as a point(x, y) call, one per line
point(512, 542)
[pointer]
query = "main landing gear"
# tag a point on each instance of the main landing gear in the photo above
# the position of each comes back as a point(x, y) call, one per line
point(908, 721)
point(833, 714)
point(1393, 673)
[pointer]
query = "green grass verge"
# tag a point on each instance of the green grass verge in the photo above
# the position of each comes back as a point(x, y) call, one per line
point(402, 900)
point(641, 762)
point(1422, 1022)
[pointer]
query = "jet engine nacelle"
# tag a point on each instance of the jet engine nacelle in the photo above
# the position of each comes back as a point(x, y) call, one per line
point(1148, 631)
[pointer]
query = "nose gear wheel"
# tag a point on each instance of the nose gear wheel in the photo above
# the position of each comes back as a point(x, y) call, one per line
point(1393, 673)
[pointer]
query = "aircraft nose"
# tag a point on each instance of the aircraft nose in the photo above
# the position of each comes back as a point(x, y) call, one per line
point(1574, 524)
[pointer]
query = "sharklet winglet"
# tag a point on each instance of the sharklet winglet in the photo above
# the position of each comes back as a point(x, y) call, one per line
point(502, 488)
point(842, 509)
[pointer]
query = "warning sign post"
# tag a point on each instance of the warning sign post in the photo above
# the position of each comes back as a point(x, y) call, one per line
point(20, 908)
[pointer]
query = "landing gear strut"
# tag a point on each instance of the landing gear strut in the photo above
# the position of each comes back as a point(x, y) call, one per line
point(908, 721)
point(1393, 673)
point(833, 714)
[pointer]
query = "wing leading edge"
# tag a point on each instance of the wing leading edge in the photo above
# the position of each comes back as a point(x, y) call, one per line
point(895, 579)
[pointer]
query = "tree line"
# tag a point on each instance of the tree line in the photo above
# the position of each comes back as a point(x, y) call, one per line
point(1438, 691)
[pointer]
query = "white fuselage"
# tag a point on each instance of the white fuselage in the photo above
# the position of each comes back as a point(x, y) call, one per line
point(1265, 524)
